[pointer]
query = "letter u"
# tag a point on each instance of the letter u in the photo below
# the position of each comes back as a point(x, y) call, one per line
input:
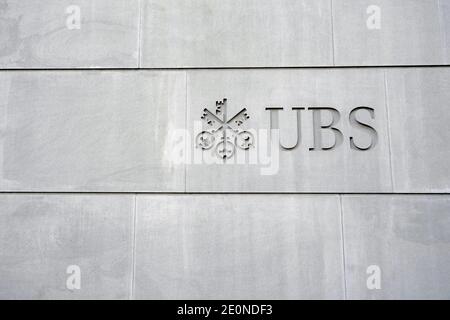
point(275, 124)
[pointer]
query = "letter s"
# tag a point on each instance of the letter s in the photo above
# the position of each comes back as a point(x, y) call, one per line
point(359, 124)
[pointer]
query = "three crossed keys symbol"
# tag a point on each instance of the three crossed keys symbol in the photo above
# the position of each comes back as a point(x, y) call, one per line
point(222, 133)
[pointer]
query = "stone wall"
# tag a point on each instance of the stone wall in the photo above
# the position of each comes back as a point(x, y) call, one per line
point(210, 149)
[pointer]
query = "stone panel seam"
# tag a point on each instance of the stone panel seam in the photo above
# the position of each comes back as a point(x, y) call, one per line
point(112, 69)
point(133, 250)
point(341, 210)
point(140, 4)
point(332, 33)
point(388, 125)
point(443, 31)
point(219, 193)
point(186, 146)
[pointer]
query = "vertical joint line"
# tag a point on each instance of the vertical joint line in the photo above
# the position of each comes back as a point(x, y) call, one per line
point(133, 251)
point(187, 146)
point(341, 210)
point(332, 32)
point(443, 32)
point(388, 130)
point(140, 4)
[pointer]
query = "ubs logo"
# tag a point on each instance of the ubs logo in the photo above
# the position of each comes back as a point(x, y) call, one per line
point(224, 134)
point(319, 126)
point(227, 135)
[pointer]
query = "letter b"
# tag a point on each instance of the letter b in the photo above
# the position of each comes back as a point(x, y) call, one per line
point(318, 126)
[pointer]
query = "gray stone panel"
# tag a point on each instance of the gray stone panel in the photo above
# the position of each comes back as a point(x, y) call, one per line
point(407, 237)
point(216, 33)
point(445, 18)
point(42, 235)
point(90, 130)
point(44, 34)
point(238, 247)
point(418, 110)
point(411, 33)
point(342, 169)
